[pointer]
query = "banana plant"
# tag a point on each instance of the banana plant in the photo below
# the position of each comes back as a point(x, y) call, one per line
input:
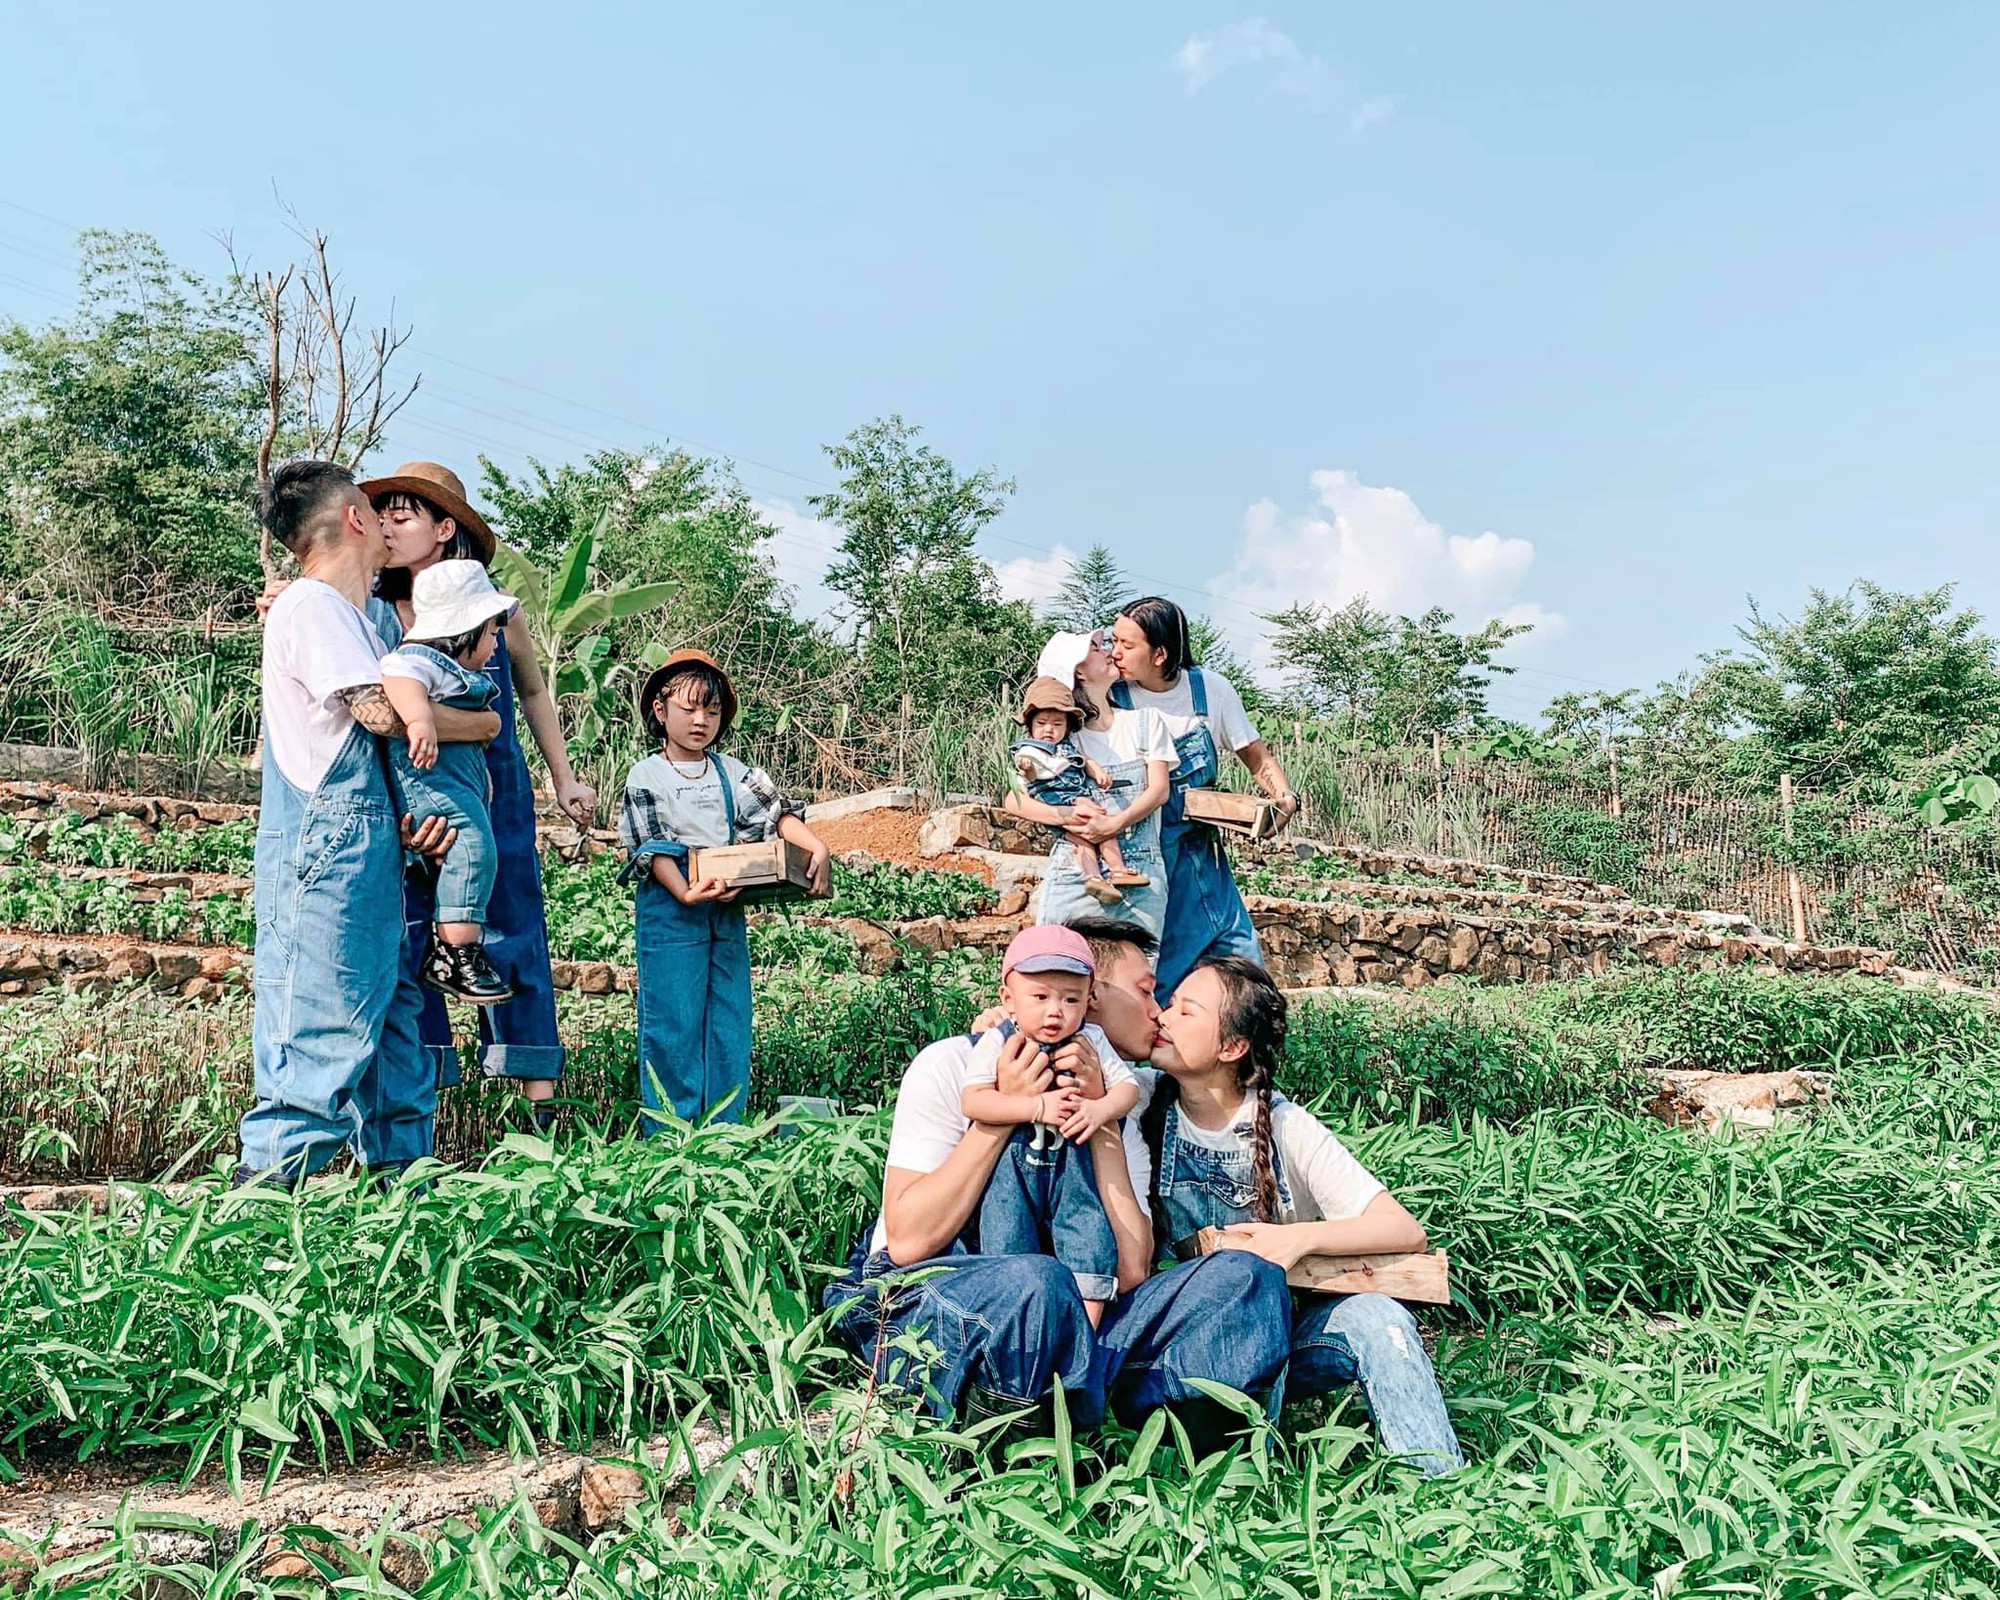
point(568, 618)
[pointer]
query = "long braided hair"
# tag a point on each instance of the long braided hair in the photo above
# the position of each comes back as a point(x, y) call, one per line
point(1254, 1014)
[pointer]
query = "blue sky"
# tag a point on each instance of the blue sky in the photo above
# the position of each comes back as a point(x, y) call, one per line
point(1606, 320)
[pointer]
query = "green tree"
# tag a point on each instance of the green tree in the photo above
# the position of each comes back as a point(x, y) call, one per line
point(1861, 683)
point(1095, 591)
point(933, 634)
point(128, 436)
point(1398, 680)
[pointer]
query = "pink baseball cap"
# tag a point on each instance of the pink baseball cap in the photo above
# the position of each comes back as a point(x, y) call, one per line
point(1049, 947)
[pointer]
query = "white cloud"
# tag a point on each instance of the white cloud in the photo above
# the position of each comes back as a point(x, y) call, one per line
point(1376, 108)
point(1356, 539)
point(1207, 56)
point(1036, 579)
point(801, 550)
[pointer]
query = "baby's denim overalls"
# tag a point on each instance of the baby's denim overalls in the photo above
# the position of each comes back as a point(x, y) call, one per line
point(694, 987)
point(1369, 1339)
point(328, 887)
point(456, 789)
point(518, 1037)
point(1205, 912)
point(1045, 1202)
point(1063, 896)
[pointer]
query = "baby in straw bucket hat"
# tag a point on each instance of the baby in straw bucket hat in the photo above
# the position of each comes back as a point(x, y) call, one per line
point(441, 661)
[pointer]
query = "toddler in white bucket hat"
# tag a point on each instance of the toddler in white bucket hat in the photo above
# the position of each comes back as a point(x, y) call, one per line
point(441, 661)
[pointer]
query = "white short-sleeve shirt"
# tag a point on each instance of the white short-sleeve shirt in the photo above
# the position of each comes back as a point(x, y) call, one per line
point(316, 643)
point(928, 1123)
point(1226, 716)
point(1139, 735)
point(1327, 1184)
point(439, 682)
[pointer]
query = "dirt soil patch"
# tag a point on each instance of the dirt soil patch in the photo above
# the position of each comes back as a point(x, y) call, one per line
point(892, 836)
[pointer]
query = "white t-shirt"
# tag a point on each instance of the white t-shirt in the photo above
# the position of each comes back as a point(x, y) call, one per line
point(984, 1065)
point(1139, 735)
point(1226, 716)
point(928, 1123)
point(1326, 1182)
point(316, 643)
point(439, 681)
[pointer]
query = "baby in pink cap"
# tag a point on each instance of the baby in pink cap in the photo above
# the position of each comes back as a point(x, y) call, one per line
point(1042, 1198)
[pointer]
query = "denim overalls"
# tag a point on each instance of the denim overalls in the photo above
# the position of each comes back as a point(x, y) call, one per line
point(1063, 896)
point(518, 1037)
point(694, 987)
point(1205, 911)
point(455, 789)
point(1369, 1339)
point(329, 868)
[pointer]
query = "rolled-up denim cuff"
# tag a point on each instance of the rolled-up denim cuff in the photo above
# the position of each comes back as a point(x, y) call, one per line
point(642, 858)
point(472, 914)
point(444, 1059)
point(521, 1062)
point(1096, 1285)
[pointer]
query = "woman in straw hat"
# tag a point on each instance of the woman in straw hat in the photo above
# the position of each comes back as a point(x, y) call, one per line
point(427, 518)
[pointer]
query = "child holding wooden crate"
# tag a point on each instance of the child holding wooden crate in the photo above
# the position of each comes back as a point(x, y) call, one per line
point(694, 950)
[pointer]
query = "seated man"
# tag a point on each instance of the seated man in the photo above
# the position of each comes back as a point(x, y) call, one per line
point(1008, 1328)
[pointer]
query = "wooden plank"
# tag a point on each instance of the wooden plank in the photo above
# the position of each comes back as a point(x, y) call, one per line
point(1422, 1278)
point(776, 869)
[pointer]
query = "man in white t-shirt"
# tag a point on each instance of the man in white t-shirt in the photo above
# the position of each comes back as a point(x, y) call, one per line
point(329, 847)
point(1009, 1328)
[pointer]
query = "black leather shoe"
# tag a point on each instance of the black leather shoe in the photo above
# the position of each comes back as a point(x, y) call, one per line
point(462, 971)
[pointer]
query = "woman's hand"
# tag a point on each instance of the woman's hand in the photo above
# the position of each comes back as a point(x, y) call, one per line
point(1097, 829)
point(578, 801)
point(432, 838)
point(272, 589)
point(1282, 1243)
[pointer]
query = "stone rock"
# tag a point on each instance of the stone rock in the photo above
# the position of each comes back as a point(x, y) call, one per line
point(177, 966)
point(1752, 1100)
point(853, 805)
point(859, 860)
point(955, 828)
point(1012, 871)
point(1434, 951)
point(562, 974)
point(19, 959)
point(594, 977)
point(928, 933)
point(605, 1493)
point(129, 962)
point(1461, 948)
point(216, 964)
point(1011, 904)
point(875, 942)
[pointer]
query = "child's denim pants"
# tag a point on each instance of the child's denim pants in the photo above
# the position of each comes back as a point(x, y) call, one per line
point(1045, 1203)
point(455, 789)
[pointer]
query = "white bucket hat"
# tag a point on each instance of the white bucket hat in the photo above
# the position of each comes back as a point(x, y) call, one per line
point(454, 597)
point(1062, 655)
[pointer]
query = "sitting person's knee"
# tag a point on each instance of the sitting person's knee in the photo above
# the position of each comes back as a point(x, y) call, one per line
point(1248, 1277)
point(1381, 1318)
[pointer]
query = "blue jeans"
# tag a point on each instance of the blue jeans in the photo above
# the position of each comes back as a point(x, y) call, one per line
point(694, 1006)
point(328, 886)
point(454, 789)
point(1045, 1203)
point(1015, 1326)
point(1372, 1340)
point(1205, 911)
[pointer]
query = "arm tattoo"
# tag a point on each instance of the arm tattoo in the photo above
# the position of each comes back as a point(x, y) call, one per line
point(370, 707)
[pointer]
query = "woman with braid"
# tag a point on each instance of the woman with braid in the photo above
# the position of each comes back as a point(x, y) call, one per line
point(1214, 1145)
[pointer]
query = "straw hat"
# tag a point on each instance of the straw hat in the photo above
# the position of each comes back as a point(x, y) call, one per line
point(454, 597)
point(649, 690)
point(442, 488)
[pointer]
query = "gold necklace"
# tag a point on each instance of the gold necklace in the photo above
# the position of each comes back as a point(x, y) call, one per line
point(699, 772)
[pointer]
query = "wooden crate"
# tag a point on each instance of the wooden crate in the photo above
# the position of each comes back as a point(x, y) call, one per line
point(774, 870)
point(1422, 1278)
point(1250, 815)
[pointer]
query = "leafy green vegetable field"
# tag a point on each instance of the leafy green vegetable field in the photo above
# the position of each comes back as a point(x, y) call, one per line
point(1681, 1365)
